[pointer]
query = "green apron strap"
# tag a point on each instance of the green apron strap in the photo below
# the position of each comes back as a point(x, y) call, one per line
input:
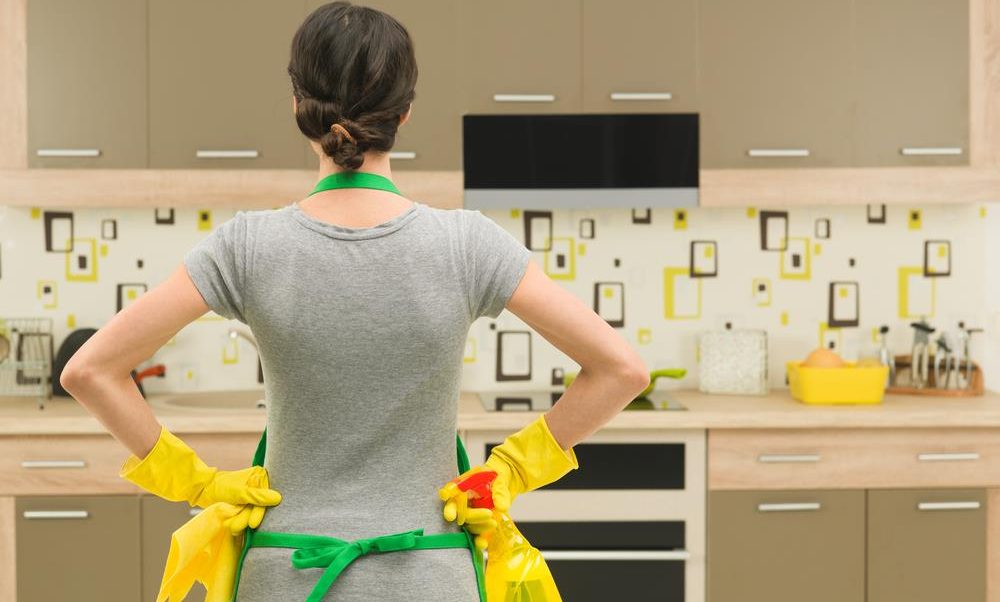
point(463, 458)
point(258, 456)
point(355, 179)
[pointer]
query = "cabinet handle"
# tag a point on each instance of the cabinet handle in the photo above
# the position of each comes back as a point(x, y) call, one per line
point(195, 511)
point(787, 458)
point(403, 155)
point(524, 97)
point(927, 506)
point(778, 152)
point(948, 457)
point(641, 96)
point(794, 507)
point(226, 154)
point(930, 151)
point(68, 152)
point(31, 464)
point(616, 554)
point(55, 514)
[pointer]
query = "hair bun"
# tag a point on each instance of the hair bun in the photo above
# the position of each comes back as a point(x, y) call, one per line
point(343, 144)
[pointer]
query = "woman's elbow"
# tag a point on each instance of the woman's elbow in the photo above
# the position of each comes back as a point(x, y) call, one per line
point(636, 376)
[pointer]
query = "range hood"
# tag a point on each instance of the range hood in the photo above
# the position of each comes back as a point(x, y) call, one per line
point(580, 160)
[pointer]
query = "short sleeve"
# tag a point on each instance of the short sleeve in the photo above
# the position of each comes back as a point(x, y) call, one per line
point(496, 262)
point(217, 266)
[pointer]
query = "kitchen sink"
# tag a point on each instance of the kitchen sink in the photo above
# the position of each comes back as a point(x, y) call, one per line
point(213, 400)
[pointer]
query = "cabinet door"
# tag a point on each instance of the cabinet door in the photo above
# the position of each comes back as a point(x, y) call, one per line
point(639, 55)
point(912, 68)
point(927, 545)
point(160, 518)
point(218, 87)
point(520, 56)
point(786, 546)
point(432, 138)
point(775, 83)
point(84, 549)
point(86, 81)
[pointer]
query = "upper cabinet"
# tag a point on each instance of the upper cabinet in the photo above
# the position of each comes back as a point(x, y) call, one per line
point(432, 138)
point(520, 56)
point(219, 93)
point(911, 63)
point(775, 83)
point(639, 56)
point(86, 82)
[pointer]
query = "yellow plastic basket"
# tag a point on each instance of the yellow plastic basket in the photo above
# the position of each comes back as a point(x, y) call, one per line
point(851, 384)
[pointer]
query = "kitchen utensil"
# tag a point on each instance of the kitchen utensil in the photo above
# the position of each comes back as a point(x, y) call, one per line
point(27, 371)
point(965, 361)
point(4, 347)
point(884, 357)
point(733, 362)
point(902, 387)
point(919, 374)
point(852, 384)
point(945, 362)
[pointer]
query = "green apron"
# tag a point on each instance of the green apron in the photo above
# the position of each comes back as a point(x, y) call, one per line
point(332, 554)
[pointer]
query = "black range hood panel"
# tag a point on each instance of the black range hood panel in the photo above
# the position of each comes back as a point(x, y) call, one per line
point(581, 160)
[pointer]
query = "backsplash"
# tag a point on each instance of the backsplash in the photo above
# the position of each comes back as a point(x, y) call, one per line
point(809, 276)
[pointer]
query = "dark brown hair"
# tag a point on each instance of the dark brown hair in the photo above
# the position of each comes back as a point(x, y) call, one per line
point(355, 66)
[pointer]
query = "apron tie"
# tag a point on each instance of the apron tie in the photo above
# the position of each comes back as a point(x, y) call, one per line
point(335, 555)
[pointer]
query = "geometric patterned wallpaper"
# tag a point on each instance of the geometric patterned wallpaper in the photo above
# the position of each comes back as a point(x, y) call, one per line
point(809, 276)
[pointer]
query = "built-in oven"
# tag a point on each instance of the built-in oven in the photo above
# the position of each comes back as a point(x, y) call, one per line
point(629, 524)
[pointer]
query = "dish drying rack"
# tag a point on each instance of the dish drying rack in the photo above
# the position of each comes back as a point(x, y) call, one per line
point(26, 353)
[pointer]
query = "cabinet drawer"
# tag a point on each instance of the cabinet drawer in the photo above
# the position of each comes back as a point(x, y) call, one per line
point(852, 458)
point(80, 464)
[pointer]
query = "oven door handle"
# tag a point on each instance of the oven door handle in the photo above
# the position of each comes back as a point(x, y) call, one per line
point(616, 554)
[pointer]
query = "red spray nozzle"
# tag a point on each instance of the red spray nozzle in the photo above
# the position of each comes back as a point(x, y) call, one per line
point(478, 487)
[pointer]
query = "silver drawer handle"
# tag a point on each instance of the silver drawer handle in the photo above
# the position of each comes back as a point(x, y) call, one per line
point(948, 457)
point(616, 554)
point(641, 96)
point(524, 97)
point(30, 464)
point(787, 458)
point(949, 506)
point(930, 151)
point(68, 152)
point(795, 507)
point(226, 154)
point(778, 152)
point(402, 155)
point(55, 514)
point(195, 511)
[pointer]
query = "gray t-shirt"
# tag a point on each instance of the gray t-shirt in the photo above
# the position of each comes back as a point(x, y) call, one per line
point(361, 334)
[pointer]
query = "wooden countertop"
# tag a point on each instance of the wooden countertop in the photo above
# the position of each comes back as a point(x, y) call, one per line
point(21, 416)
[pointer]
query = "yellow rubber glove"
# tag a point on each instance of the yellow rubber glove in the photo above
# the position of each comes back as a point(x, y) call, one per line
point(173, 471)
point(206, 550)
point(526, 460)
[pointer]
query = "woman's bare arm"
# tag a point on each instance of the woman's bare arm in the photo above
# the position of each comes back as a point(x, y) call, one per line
point(99, 373)
point(611, 372)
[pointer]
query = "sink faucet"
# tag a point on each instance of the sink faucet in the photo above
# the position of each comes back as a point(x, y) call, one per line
point(235, 333)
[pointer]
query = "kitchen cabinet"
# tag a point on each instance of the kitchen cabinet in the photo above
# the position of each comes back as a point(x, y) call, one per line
point(927, 545)
point(86, 83)
point(219, 94)
point(432, 138)
point(639, 56)
point(160, 518)
point(775, 80)
point(786, 546)
point(520, 56)
point(80, 548)
point(911, 64)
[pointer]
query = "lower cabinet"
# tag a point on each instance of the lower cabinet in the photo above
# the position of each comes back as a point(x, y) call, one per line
point(927, 545)
point(95, 548)
point(160, 518)
point(84, 549)
point(891, 545)
point(786, 546)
